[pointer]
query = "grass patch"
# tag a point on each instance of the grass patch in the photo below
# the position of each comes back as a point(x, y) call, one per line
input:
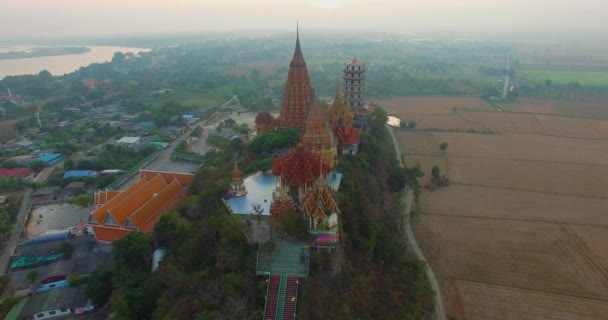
point(587, 79)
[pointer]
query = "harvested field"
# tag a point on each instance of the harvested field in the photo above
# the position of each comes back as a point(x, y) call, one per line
point(522, 147)
point(521, 254)
point(409, 107)
point(417, 142)
point(494, 203)
point(594, 107)
point(485, 301)
point(539, 124)
point(449, 122)
point(558, 178)
point(521, 233)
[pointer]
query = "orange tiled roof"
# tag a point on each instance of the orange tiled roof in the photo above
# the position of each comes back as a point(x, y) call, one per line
point(139, 206)
point(100, 213)
point(184, 178)
point(121, 211)
point(104, 196)
point(108, 233)
point(153, 207)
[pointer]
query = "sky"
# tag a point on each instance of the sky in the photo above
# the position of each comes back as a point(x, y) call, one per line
point(48, 18)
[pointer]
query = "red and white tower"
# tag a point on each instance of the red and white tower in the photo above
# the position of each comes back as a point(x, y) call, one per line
point(354, 84)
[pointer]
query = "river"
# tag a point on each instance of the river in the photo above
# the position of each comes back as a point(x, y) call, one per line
point(58, 65)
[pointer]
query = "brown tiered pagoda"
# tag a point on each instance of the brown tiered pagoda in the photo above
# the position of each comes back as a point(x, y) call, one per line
point(317, 134)
point(298, 91)
point(298, 169)
point(319, 204)
point(341, 119)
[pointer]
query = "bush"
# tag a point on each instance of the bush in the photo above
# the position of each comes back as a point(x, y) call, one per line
point(32, 275)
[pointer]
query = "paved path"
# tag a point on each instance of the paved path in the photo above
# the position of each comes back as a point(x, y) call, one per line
point(409, 199)
point(10, 245)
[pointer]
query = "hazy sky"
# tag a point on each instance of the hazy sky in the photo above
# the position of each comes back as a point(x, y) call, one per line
point(78, 17)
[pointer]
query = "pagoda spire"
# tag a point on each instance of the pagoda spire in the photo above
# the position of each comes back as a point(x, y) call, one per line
point(298, 49)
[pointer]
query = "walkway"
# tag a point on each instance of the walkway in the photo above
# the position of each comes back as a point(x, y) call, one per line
point(285, 263)
point(17, 229)
point(408, 195)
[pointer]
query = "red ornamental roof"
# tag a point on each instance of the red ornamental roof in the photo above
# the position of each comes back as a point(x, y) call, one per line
point(347, 135)
point(18, 173)
point(319, 201)
point(299, 167)
point(298, 91)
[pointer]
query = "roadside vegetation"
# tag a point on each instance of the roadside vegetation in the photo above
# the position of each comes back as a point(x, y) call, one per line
point(376, 276)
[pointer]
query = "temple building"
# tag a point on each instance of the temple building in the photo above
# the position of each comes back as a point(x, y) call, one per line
point(263, 122)
point(296, 97)
point(317, 134)
point(237, 185)
point(298, 169)
point(341, 119)
point(136, 208)
point(319, 205)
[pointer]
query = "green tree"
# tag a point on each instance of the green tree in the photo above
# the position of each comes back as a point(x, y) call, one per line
point(69, 164)
point(99, 286)
point(9, 164)
point(32, 275)
point(443, 147)
point(82, 200)
point(38, 165)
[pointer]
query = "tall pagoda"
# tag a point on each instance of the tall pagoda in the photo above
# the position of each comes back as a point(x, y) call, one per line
point(319, 205)
point(341, 119)
point(317, 134)
point(298, 91)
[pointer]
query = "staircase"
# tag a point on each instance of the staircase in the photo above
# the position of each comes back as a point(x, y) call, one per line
point(282, 298)
point(289, 308)
point(272, 296)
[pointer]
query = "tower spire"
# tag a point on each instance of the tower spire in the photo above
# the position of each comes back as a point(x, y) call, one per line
point(298, 49)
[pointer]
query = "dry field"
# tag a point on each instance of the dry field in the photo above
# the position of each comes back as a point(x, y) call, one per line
point(584, 107)
point(539, 124)
point(537, 256)
point(479, 301)
point(495, 203)
point(409, 107)
point(522, 231)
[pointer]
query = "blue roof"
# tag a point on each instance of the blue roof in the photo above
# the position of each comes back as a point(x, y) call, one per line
point(79, 174)
point(51, 158)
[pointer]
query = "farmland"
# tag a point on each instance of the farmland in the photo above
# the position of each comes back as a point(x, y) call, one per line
point(588, 79)
point(521, 231)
